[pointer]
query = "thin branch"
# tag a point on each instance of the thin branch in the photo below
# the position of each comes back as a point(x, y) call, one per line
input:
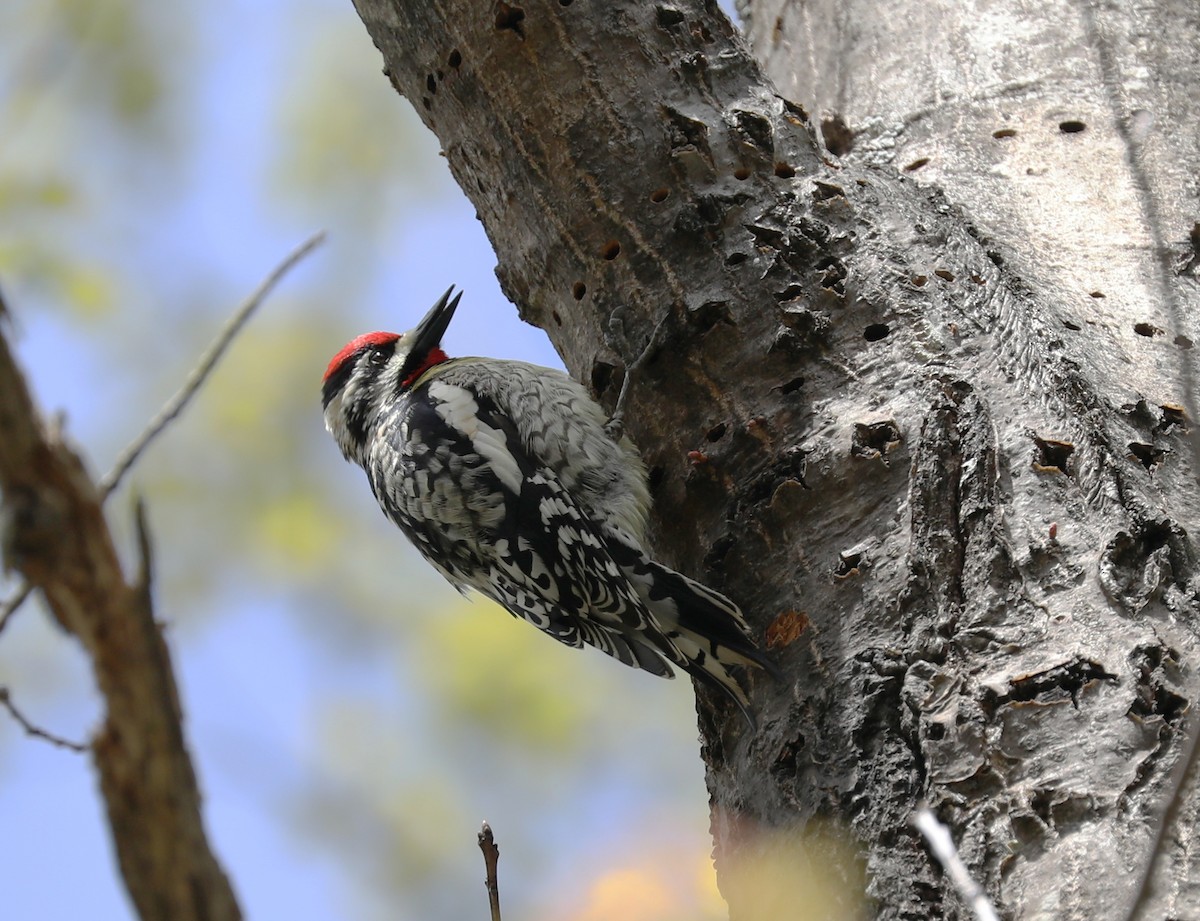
point(32, 730)
point(176, 404)
point(616, 422)
point(1166, 820)
point(941, 845)
point(200, 373)
point(491, 857)
point(11, 604)
point(67, 552)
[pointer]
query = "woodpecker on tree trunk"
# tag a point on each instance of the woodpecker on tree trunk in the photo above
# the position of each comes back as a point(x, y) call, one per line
point(508, 480)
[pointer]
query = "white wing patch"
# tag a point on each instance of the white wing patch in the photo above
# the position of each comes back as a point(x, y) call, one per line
point(458, 409)
point(456, 405)
point(492, 444)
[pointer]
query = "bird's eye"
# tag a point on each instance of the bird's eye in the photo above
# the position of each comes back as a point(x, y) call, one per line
point(377, 357)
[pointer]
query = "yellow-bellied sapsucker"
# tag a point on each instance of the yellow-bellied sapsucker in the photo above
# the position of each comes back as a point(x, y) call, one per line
point(505, 476)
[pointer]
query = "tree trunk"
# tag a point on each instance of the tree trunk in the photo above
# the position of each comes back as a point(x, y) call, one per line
point(932, 438)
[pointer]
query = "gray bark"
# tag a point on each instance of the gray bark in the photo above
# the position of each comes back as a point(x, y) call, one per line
point(953, 489)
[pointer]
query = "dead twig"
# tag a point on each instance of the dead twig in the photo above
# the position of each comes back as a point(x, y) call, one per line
point(32, 730)
point(1166, 820)
point(941, 845)
point(491, 857)
point(204, 367)
point(11, 604)
point(176, 404)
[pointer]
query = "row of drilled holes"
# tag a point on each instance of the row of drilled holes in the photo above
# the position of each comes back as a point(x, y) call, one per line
point(1148, 330)
point(781, 170)
point(612, 248)
point(1071, 126)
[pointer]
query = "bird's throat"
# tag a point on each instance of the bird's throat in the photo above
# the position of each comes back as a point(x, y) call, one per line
point(435, 357)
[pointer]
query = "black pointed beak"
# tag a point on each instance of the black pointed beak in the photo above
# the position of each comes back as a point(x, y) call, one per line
point(427, 335)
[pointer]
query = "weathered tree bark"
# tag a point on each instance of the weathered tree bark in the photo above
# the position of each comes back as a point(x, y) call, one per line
point(953, 486)
point(54, 533)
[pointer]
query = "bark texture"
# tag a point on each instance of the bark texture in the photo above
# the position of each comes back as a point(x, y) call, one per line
point(54, 533)
point(952, 488)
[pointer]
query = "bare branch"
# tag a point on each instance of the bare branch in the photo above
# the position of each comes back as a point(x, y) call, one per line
point(204, 368)
point(176, 404)
point(32, 730)
point(941, 845)
point(491, 857)
point(56, 536)
point(11, 604)
point(1166, 820)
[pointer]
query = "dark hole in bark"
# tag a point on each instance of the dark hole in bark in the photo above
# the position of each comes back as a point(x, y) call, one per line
point(654, 478)
point(1149, 455)
point(707, 315)
point(1146, 329)
point(876, 331)
point(455, 58)
point(1172, 415)
point(659, 195)
point(919, 280)
point(1096, 294)
point(838, 136)
point(717, 432)
point(735, 258)
point(874, 439)
point(510, 17)
point(823, 191)
point(944, 274)
point(1071, 126)
point(847, 564)
point(430, 83)
point(741, 173)
point(578, 290)
point(1053, 454)
point(1072, 326)
point(916, 165)
point(611, 250)
point(793, 385)
point(936, 732)
point(1004, 133)
point(557, 319)
point(1183, 341)
point(717, 553)
point(602, 375)
point(669, 16)
point(784, 170)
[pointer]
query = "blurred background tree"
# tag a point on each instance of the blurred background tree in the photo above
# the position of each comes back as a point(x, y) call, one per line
point(352, 719)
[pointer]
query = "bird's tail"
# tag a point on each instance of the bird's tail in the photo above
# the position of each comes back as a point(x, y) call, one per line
point(705, 630)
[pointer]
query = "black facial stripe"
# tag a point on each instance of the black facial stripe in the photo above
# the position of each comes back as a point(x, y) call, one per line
point(338, 379)
point(375, 356)
point(356, 421)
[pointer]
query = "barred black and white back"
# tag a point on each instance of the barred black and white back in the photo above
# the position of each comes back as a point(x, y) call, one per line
point(504, 476)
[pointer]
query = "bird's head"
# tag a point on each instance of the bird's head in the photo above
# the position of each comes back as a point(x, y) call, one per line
point(372, 370)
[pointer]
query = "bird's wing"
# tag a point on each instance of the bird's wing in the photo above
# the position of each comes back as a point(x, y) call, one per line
point(523, 540)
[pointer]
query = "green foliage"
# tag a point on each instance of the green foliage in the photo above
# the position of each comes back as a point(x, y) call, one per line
point(503, 678)
point(122, 45)
point(345, 147)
